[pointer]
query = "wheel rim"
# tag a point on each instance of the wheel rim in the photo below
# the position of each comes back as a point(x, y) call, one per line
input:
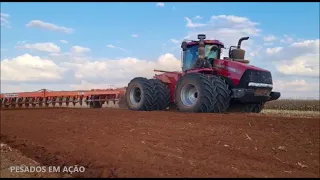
point(135, 95)
point(189, 95)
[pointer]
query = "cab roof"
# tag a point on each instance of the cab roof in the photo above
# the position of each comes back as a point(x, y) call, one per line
point(217, 42)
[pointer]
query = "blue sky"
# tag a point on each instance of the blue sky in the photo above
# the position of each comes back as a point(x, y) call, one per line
point(97, 25)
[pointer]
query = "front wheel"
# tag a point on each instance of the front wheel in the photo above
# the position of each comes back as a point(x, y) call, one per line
point(222, 95)
point(194, 93)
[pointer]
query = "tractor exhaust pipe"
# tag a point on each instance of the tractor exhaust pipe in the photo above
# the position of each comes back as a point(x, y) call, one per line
point(201, 50)
point(240, 41)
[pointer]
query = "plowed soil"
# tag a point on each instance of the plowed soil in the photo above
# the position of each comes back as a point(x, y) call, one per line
point(122, 143)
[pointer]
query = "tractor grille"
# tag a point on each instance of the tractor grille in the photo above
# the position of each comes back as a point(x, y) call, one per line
point(254, 76)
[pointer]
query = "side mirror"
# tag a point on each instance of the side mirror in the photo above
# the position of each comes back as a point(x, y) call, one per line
point(184, 45)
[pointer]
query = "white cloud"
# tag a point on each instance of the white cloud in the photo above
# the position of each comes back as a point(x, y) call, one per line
point(21, 42)
point(85, 74)
point(273, 50)
point(269, 38)
point(43, 47)
point(296, 69)
point(115, 47)
point(5, 15)
point(175, 41)
point(296, 85)
point(134, 35)
point(308, 43)
point(79, 49)
point(5, 20)
point(298, 59)
point(49, 26)
point(227, 28)
point(160, 4)
point(111, 46)
point(118, 72)
point(32, 86)
point(306, 65)
point(297, 88)
point(234, 20)
point(64, 41)
point(296, 49)
point(191, 24)
point(286, 39)
point(197, 17)
point(29, 68)
point(268, 44)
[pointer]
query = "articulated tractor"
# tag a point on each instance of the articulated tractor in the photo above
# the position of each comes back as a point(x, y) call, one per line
point(207, 83)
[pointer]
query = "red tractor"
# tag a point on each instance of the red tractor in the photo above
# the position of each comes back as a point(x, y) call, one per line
point(207, 82)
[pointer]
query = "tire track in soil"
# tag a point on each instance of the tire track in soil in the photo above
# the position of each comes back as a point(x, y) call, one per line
point(122, 143)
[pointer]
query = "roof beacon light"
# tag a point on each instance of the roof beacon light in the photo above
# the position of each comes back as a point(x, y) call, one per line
point(201, 37)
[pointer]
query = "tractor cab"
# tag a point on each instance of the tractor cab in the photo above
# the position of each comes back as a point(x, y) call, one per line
point(206, 50)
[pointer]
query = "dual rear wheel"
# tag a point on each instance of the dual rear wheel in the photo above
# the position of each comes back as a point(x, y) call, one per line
point(147, 95)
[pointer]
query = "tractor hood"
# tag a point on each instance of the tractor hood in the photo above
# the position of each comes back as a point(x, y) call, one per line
point(235, 71)
point(236, 66)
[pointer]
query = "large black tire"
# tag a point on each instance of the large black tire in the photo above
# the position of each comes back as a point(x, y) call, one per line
point(203, 99)
point(140, 95)
point(162, 93)
point(221, 95)
point(247, 108)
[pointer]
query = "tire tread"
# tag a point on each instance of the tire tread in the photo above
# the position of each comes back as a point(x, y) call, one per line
point(148, 89)
point(206, 93)
point(162, 95)
point(222, 95)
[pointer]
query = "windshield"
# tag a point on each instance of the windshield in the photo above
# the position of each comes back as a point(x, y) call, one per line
point(191, 55)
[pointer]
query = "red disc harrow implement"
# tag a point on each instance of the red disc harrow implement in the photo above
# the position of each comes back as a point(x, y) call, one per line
point(95, 98)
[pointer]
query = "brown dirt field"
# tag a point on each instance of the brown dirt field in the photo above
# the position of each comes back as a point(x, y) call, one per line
point(12, 158)
point(122, 143)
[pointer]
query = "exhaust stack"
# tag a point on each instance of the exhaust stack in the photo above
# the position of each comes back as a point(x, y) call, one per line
point(240, 41)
